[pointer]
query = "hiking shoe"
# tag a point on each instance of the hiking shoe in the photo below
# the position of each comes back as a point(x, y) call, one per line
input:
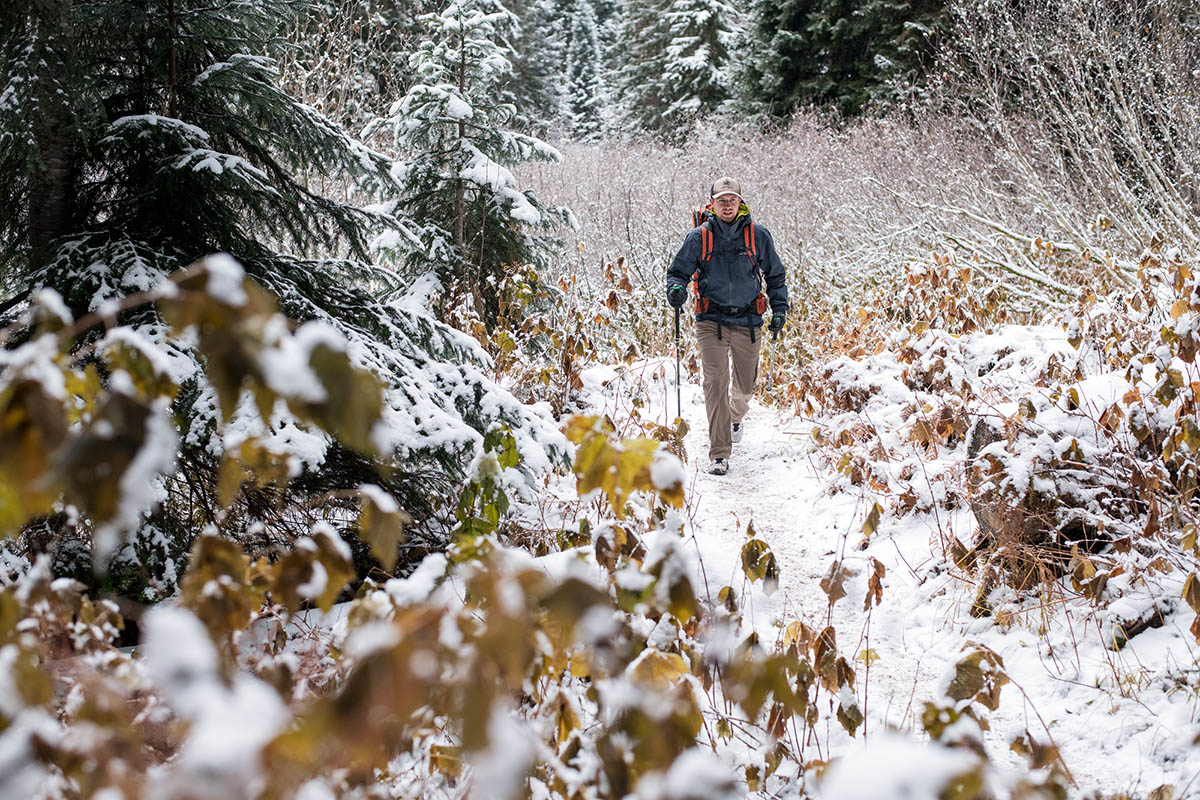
point(718, 466)
point(738, 430)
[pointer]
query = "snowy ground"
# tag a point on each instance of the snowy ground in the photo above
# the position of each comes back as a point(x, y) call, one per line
point(1124, 721)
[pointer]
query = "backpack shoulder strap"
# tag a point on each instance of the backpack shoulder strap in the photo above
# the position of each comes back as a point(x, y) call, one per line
point(750, 239)
point(706, 241)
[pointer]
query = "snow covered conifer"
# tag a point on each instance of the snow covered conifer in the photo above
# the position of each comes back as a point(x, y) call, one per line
point(831, 52)
point(583, 94)
point(676, 70)
point(136, 138)
point(455, 178)
point(537, 64)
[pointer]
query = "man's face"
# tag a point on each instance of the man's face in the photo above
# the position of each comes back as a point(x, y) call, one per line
point(726, 206)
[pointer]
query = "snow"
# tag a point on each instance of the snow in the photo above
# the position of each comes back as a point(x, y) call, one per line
point(229, 724)
point(225, 276)
point(893, 767)
point(667, 471)
point(500, 770)
point(696, 775)
point(143, 124)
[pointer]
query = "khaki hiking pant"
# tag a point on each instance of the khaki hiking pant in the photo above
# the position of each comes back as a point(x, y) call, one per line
point(716, 354)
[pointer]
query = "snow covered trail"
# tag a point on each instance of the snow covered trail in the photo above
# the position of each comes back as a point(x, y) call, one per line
point(1123, 720)
point(776, 485)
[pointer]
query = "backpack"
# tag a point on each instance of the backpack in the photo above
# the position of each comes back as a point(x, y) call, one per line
point(700, 218)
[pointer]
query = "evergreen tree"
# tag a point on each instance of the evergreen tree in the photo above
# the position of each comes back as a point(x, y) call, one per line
point(136, 138)
point(456, 174)
point(583, 57)
point(677, 68)
point(841, 53)
point(537, 64)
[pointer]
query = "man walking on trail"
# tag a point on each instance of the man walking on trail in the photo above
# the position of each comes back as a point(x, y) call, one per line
point(733, 260)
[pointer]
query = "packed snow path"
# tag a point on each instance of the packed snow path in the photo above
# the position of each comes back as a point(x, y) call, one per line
point(776, 485)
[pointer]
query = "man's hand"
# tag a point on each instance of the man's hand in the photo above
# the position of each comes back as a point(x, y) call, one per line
point(676, 296)
point(777, 320)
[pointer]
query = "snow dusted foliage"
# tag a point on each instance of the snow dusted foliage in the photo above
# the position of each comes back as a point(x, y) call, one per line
point(456, 159)
point(1097, 104)
point(349, 58)
point(276, 428)
point(676, 63)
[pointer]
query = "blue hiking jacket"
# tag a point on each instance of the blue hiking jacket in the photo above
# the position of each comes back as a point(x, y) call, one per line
point(730, 279)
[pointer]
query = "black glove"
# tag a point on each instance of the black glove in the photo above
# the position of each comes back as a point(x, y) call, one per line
point(777, 320)
point(676, 296)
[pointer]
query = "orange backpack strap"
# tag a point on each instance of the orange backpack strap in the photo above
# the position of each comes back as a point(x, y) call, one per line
point(706, 243)
point(750, 240)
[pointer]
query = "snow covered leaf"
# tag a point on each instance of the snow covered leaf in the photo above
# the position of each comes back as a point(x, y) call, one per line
point(381, 524)
point(218, 587)
point(615, 542)
point(93, 464)
point(850, 715)
point(728, 599)
point(315, 570)
point(758, 564)
point(568, 602)
point(229, 314)
point(617, 469)
point(978, 677)
point(353, 401)
point(147, 376)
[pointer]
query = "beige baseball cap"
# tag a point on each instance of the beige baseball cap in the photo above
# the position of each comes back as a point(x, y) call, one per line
point(725, 186)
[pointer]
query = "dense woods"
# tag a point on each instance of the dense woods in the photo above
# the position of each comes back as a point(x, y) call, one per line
point(337, 381)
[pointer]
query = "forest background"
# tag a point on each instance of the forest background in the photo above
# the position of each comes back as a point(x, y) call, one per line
point(434, 220)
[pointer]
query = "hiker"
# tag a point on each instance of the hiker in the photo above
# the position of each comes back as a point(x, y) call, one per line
point(730, 259)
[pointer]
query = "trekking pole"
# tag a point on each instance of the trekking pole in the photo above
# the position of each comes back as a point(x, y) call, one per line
point(771, 363)
point(678, 400)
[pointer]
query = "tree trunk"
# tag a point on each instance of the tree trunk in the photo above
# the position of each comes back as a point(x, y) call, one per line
point(52, 189)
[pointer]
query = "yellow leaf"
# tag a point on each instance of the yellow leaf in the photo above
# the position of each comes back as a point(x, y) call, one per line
point(446, 759)
point(565, 718)
point(871, 523)
point(1191, 592)
point(33, 426)
point(659, 669)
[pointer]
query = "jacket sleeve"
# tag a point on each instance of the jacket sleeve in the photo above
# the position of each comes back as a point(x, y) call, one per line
point(679, 273)
point(774, 274)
